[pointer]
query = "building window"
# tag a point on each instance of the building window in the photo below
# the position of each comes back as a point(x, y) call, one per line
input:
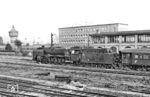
point(98, 40)
point(143, 38)
point(97, 30)
point(128, 39)
point(113, 39)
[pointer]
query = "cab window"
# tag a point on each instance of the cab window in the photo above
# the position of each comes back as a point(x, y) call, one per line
point(126, 56)
point(136, 56)
point(72, 52)
point(75, 52)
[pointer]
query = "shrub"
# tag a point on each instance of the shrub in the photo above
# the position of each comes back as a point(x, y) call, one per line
point(8, 47)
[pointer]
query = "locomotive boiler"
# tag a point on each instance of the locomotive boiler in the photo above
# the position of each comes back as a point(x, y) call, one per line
point(51, 55)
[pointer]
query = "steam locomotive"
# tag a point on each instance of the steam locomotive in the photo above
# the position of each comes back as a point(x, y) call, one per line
point(78, 56)
point(51, 55)
point(95, 57)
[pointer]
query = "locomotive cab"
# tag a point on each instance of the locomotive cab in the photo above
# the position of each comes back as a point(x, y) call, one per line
point(75, 55)
point(92, 57)
point(126, 58)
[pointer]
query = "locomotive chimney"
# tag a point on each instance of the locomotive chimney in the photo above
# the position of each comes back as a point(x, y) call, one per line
point(51, 39)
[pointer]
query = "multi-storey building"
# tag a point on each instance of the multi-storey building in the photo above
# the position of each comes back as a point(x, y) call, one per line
point(79, 35)
point(121, 39)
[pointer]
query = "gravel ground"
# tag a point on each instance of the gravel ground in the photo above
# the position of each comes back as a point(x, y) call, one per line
point(111, 81)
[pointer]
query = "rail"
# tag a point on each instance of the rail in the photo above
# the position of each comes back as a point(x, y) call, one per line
point(86, 69)
point(47, 90)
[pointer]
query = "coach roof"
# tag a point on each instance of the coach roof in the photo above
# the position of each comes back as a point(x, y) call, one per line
point(142, 50)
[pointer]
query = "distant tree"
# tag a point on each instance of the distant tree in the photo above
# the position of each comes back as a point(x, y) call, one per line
point(8, 47)
point(18, 43)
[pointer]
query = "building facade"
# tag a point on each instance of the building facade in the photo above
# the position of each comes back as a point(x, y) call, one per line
point(79, 35)
point(122, 40)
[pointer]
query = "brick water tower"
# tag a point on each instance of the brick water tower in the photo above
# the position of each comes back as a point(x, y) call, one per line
point(13, 34)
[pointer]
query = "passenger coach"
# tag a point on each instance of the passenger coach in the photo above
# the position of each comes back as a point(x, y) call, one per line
point(136, 58)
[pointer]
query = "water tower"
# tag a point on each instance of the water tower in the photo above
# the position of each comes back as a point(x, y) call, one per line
point(13, 34)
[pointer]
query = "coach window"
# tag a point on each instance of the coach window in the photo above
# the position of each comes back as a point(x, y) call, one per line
point(140, 56)
point(145, 56)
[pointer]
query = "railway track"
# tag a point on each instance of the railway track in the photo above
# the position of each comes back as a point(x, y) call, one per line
point(28, 88)
point(4, 93)
point(19, 60)
point(49, 91)
point(75, 68)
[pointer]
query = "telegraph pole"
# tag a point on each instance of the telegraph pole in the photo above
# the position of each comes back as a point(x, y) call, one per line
point(51, 39)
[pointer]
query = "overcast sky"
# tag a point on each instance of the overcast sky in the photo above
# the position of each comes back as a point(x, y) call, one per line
point(36, 19)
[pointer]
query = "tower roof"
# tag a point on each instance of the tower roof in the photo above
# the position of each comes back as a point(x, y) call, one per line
point(13, 32)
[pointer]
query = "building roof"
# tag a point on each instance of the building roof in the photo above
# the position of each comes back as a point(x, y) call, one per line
point(143, 50)
point(94, 25)
point(132, 32)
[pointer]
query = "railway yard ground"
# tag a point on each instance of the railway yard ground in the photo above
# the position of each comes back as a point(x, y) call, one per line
point(86, 82)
